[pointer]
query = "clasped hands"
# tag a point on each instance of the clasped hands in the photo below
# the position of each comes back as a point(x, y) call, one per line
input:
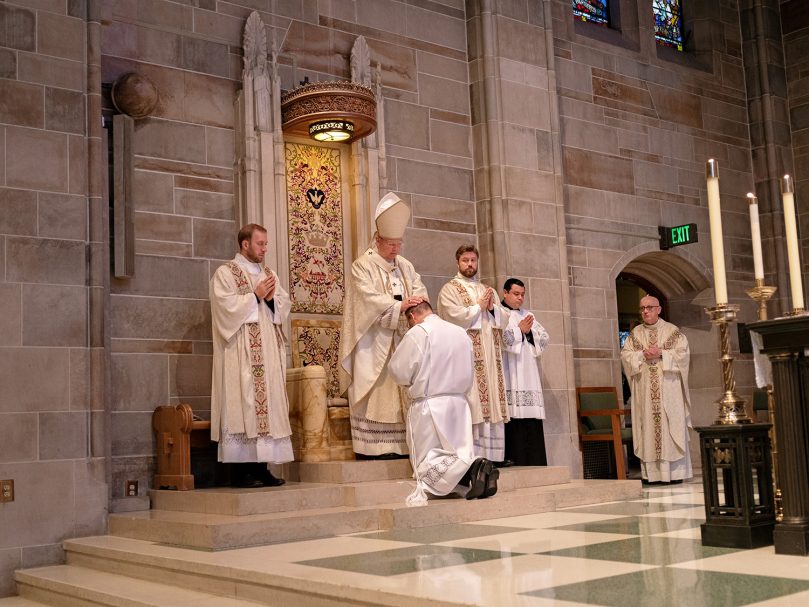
point(652, 353)
point(526, 323)
point(486, 301)
point(265, 289)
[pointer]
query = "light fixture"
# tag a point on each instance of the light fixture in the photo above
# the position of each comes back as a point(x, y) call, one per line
point(331, 130)
point(340, 111)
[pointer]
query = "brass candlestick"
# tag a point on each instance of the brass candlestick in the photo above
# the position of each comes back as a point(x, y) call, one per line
point(731, 407)
point(761, 294)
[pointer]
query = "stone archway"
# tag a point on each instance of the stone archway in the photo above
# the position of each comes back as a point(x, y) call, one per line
point(686, 284)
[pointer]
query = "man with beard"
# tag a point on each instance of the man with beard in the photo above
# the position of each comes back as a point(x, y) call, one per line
point(249, 406)
point(655, 358)
point(382, 287)
point(466, 302)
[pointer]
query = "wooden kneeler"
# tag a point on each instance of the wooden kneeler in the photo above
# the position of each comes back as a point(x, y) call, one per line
point(176, 432)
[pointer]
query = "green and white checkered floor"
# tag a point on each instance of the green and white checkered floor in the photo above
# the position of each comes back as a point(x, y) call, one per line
point(624, 554)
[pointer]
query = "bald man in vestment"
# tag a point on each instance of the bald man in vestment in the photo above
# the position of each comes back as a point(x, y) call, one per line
point(655, 359)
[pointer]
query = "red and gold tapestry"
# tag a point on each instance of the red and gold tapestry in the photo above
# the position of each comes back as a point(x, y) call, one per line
point(315, 218)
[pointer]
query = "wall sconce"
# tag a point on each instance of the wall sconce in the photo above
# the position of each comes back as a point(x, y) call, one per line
point(331, 130)
point(339, 111)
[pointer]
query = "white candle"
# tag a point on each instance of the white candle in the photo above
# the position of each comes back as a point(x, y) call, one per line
point(717, 245)
point(793, 253)
point(755, 230)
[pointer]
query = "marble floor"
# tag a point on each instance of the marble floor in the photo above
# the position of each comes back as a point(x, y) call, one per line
point(639, 552)
point(623, 554)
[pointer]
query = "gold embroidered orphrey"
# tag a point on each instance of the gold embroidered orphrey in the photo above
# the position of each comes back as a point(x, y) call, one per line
point(480, 365)
point(256, 346)
point(654, 383)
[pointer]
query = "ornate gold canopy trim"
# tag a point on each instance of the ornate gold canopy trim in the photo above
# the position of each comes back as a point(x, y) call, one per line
point(336, 100)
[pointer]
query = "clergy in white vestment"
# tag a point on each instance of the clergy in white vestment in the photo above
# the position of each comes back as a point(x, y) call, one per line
point(382, 287)
point(466, 302)
point(524, 340)
point(434, 361)
point(249, 406)
point(655, 358)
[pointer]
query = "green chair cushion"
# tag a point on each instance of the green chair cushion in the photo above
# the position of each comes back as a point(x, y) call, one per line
point(591, 401)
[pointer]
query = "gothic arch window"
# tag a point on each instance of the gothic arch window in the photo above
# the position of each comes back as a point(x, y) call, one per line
point(668, 16)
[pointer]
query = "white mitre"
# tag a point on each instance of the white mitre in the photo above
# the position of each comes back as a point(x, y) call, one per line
point(391, 216)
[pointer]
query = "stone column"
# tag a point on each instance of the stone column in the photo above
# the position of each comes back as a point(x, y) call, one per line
point(518, 193)
point(770, 135)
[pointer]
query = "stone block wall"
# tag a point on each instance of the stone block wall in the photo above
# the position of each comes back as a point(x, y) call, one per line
point(638, 124)
point(795, 28)
point(185, 213)
point(51, 364)
point(557, 146)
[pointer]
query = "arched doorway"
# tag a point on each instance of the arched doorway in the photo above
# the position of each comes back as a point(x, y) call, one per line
point(683, 290)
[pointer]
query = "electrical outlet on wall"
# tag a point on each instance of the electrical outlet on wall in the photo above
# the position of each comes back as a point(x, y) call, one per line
point(131, 488)
point(7, 490)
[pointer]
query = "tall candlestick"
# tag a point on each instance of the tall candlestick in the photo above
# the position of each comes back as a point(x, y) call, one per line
point(755, 230)
point(717, 245)
point(793, 253)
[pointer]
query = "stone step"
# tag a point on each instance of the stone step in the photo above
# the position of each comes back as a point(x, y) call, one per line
point(18, 601)
point(340, 472)
point(278, 582)
point(224, 531)
point(300, 496)
point(76, 586)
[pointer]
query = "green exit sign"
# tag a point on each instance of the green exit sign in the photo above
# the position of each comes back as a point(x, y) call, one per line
point(677, 235)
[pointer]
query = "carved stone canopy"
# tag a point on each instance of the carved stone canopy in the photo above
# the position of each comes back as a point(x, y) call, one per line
point(337, 100)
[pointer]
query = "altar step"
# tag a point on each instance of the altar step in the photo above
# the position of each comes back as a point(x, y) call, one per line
point(107, 571)
point(357, 496)
point(185, 551)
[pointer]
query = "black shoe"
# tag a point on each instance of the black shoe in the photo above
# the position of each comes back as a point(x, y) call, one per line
point(266, 477)
point(479, 473)
point(506, 463)
point(247, 481)
point(491, 483)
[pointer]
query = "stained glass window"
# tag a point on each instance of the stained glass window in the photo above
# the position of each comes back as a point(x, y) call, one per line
point(594, 11)
point(668, 23)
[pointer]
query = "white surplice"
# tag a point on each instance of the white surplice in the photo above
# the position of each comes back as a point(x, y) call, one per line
point(661, 406)
point(249, 406)
point(457, 303)
point(521, 367)
point(434, 360)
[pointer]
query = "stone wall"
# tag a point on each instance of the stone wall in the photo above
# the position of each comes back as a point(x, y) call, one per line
point(638, 123)
point(557, 146)
point(51, 267)
point(795, 28)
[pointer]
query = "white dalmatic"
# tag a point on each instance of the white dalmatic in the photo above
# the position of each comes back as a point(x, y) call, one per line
point(521, 367)
point(434, 360)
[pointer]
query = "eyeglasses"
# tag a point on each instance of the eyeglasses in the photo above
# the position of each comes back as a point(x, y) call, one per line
point(648, 308)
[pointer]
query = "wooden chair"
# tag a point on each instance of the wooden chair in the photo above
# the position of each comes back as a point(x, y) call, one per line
point(600, 420)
